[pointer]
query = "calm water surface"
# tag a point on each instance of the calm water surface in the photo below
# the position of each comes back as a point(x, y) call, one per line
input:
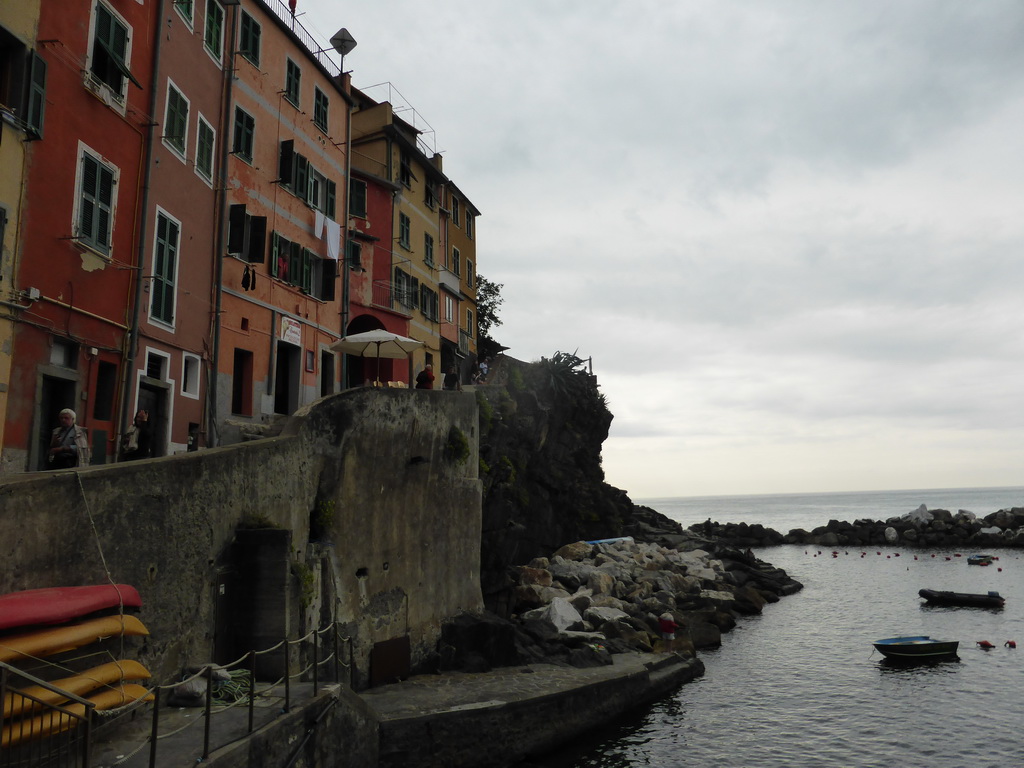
point(801, 685)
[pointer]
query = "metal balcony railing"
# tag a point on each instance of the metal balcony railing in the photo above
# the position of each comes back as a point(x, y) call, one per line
point(319, 52)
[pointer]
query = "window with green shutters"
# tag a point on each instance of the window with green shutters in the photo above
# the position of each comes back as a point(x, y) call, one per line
point(110, 50)
point(321, 107)
point(176, 120)
point(245, 129)
point(249, 39)
point(306, 283)
point(35, 96)
point(184, 7)
point(428, 249)
point(205, 140)
point(404, 231)
point(165, 267)
point(213, 35)
point(292, 79)
point(95, 204)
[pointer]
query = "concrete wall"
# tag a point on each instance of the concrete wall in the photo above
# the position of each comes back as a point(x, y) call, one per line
point(402, 550)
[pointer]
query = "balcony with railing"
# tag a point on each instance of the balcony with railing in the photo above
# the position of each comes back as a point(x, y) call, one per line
point(384, 295)
point(305, 37)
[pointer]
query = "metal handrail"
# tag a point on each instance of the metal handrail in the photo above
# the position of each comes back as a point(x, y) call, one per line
point(324, 651)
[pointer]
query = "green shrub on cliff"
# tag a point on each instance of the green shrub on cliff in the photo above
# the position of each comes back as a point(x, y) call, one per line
point(457, 449)
point(485, 410)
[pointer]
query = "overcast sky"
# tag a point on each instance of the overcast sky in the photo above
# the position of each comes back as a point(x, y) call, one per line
point(790, 233)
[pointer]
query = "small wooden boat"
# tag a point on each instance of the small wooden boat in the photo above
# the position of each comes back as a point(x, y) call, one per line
point(55, 605)
point(939, 597)
point(916, 648)
point(980, 559)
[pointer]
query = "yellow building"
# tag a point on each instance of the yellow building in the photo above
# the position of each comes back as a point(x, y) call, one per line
point(22, 111)
point(432, 270)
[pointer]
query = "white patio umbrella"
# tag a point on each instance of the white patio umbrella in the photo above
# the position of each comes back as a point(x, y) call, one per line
point(378, 344)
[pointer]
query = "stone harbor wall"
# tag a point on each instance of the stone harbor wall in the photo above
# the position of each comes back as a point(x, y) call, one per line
point(921, 528)
point(366, 511)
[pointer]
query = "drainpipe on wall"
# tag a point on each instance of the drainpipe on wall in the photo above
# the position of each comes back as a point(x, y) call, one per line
point(345, 266)
point(212, 435)
point(133, 333)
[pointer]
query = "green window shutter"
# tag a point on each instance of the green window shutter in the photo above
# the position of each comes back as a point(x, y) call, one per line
point(332, 196)
point(295, 264)
point(35, 96)
point(354, 254)
point(204, 150)
point(275, 252)
point(165, 263)
point(177, 119)
point(87, 204)
point(307, 270)
point(214, 22)
point(301, 184)
point(96, 203)
point(286, 162)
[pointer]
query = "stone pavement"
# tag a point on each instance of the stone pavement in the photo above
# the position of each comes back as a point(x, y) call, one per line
point(182, 730)
point(502, 717)
point(427, 720)
point(456, 691)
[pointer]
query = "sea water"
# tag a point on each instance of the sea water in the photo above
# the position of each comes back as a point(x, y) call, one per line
point(801, 685)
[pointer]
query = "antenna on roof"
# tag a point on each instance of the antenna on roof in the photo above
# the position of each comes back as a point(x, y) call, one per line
point(343, 43)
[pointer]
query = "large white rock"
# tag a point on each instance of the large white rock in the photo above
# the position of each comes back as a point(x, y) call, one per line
point(560, 613)
point(920, 515)
point(598, 615)
point(891, 535)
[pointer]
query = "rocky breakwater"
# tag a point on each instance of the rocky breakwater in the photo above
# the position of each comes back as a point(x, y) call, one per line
point(612, 594)
point(921, 528)
point(588, 601)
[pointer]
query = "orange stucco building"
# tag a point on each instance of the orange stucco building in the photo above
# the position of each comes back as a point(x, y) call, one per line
point(186, 226)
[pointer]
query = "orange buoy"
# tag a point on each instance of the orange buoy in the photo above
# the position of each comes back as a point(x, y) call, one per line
point(985, 645)
point(1010, 644)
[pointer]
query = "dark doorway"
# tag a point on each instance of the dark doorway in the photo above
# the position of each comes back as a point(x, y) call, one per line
point(286, 379)
point(327, 376)
point(154, 400)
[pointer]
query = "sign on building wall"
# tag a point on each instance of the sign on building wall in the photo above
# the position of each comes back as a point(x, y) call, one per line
point(291, 331)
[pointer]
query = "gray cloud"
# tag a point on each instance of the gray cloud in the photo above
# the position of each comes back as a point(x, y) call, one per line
point(788, 232)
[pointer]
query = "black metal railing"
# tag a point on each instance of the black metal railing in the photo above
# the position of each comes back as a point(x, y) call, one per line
point(37, 733)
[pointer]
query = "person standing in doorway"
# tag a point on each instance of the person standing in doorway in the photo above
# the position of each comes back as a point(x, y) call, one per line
point(69, 443)
point(137, 440)
point(451, 380)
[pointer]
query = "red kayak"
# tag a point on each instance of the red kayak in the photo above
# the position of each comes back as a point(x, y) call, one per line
point(59, 604)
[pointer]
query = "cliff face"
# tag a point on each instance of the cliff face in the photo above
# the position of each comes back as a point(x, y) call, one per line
point(541, 430)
